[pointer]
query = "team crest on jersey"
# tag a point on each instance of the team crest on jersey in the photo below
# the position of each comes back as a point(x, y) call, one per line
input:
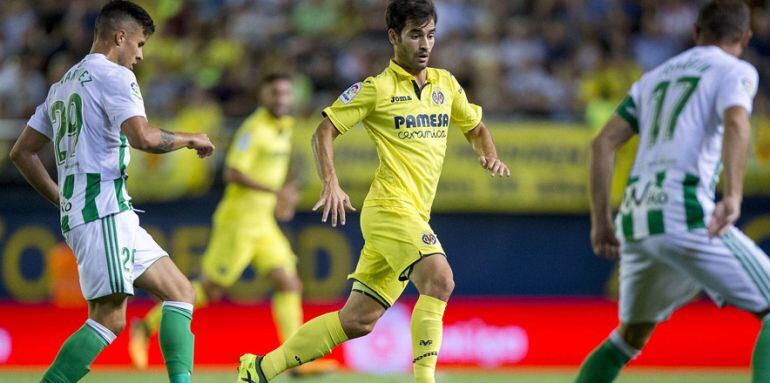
point(135, 90)
point(347, 96)
point(429, 239)
point(438, 96)
point(747, 85)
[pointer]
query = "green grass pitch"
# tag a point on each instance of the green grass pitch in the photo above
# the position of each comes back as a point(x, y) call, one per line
point(524, 376)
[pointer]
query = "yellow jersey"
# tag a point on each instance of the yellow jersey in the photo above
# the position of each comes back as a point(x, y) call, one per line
point(409, 126)
point(261, 150)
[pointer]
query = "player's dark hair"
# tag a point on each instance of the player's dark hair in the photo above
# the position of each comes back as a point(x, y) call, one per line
point(723, 21)
point(275, 76)
point(400, 11)
point(119, 11)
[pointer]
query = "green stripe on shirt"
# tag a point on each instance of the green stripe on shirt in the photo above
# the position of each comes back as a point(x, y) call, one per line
point(93, 185)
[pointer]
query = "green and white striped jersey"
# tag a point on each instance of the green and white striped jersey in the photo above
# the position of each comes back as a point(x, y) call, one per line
point(677, 110)
point(82, 115)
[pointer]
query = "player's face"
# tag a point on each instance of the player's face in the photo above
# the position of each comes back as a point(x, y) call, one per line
point(415, 43)
point(278, 97)
point(130, 48)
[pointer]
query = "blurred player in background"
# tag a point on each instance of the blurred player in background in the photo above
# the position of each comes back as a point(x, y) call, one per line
point(406, 110)
point(91, 116)
point(261, 186)
point(692, 116)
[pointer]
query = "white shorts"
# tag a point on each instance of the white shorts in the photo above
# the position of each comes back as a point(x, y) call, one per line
point(660, 273)
point(112, 252)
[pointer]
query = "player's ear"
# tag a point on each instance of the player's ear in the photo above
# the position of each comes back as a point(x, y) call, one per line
point(746, 37)
point(120, 37)
point(393, 36)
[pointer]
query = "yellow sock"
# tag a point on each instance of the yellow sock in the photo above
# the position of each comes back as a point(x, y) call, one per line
point(152, 319)
point(426, 337)
point(287, 313)
point(312, 340)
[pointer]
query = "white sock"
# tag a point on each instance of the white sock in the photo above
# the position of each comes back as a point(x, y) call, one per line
point(179, 305)
point(624, 347)
point(103, 332)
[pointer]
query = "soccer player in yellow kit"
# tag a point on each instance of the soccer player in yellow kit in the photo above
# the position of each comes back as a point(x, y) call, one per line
point(406, 110)
point(245, 231)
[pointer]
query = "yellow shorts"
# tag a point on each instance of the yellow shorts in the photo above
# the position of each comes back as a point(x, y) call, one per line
point(234, 245)
point(395, 238)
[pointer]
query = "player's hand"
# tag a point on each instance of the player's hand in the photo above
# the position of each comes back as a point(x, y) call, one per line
point(286, 203)
point(335, 201)
point(494, 166)
point(727, 211)
point(603, 240)
point(201, 144)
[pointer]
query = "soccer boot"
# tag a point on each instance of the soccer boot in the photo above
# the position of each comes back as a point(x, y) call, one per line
point(138, 343)
point(250, 370)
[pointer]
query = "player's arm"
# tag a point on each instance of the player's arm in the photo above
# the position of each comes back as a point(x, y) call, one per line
point(236, 176)
point(288, 195)
point(24, 155)
point(614, 134)
point(333, 199)
point(735, 149)
point(481, 141)
point(147, 138)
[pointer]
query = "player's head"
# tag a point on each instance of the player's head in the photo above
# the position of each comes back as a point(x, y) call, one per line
point(123, 27)
point(411, 31)
point(277, 94)
point(724, 22)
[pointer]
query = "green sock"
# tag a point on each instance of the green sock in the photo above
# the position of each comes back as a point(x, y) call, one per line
point(761, 360)
point(77, 353)
point(605, 362)
point(177, 341)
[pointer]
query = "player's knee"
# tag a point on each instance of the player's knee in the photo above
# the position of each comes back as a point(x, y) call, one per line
point(356, 326)
point(184, 292)
point(114, 324)
point(636, 335)
point(440, 286)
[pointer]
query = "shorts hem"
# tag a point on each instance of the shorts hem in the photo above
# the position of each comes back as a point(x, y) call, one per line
point(150, 265)
point(379, 298)
point(407, 271)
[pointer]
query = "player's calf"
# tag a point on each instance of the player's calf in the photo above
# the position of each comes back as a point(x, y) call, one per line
point(623, 345)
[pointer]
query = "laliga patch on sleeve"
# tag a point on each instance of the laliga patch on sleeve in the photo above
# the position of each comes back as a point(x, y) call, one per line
point(347, 96)
point(243, 142)
point(135, 90)
point(747, 85)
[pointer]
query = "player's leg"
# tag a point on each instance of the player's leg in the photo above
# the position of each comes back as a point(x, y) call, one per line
point(319, 336)
point(106, 319)
point(286, 301)
point(432, 276)
point(650, 290)
point(736, 270)
point(163, 279)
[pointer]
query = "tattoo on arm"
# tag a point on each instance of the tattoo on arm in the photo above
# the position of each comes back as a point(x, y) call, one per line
point(167, 140)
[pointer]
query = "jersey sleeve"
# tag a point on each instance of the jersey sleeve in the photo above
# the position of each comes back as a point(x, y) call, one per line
point(41, 122)
point(353, 105)
point(244, 148)
point(738, 88)
point(627, 109)
point(122, 97)
point(465, 115)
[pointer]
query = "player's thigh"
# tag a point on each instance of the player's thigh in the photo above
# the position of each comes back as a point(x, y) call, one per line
point(433, 276)
point(164, 280)
point(104, 251)
point(230, 250)
point(732, 269)
point(272, 251)
point(651, 289)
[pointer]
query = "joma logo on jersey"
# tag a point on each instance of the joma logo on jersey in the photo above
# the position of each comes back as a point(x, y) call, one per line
point(396, 99)
point(422, 121)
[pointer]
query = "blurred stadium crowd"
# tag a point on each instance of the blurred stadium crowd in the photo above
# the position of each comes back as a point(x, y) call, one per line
point(556, 59)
